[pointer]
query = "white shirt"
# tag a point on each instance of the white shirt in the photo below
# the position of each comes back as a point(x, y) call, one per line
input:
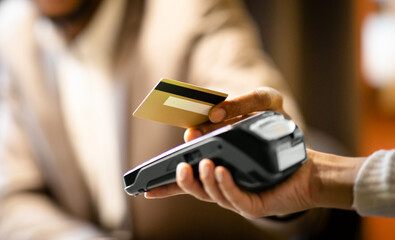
point(83, 72)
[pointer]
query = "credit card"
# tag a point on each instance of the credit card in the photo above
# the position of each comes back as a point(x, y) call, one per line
point(179, 104)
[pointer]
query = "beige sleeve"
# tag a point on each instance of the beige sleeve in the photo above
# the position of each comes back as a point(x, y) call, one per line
point(26, 211)
point(228, 55)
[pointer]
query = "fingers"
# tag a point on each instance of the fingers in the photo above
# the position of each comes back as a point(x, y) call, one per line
point(205, 128)
point(206, 174)
point(189, 184)
point(242, 202)
point(216, 185)
point(192, 133)
point(236, 109)
point(164, 191)
point(208, 190)
point(261, 99)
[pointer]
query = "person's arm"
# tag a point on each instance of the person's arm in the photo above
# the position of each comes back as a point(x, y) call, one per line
point(26, 209)
point(374, 189)
point(228, 55)
point(325, 180)
point(236, 109)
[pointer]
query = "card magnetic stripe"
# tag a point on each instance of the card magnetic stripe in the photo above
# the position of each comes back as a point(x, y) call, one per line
point(189, 93)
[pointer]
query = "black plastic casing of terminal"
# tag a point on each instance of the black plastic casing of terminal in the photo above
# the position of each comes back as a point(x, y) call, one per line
point(253, 160)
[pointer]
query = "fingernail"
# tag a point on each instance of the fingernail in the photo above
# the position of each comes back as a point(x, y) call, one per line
point(181, 172)
point(218, 176)
point(217, 115)
point(204, 170)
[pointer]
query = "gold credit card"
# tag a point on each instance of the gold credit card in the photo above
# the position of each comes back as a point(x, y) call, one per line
point(178, 103)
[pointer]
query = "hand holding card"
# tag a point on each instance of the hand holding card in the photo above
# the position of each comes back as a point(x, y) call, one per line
point(178, 103)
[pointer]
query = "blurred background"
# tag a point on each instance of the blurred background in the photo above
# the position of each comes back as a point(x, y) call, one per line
point(339, 58)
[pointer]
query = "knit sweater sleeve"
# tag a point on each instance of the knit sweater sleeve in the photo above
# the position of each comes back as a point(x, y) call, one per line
point(374, 189)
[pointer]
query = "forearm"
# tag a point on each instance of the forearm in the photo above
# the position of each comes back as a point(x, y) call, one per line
point(333, 179)
point(35, 216)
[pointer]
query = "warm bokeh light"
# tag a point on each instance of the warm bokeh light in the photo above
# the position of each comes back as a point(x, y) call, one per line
point(378, 125)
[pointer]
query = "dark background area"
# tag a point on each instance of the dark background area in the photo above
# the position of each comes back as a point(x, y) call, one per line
point(312, 43)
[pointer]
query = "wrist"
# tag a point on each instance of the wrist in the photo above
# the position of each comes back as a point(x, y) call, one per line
point(332, 179)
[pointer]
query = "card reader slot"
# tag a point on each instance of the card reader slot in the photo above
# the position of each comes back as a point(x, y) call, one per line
point(251, 159)
point(130, 178)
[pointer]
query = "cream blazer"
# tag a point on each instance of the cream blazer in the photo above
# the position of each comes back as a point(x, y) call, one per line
point(43, 195)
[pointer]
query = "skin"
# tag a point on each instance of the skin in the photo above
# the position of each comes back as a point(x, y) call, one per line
point(70, 16)
point(325, 180)
point(238, 108)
